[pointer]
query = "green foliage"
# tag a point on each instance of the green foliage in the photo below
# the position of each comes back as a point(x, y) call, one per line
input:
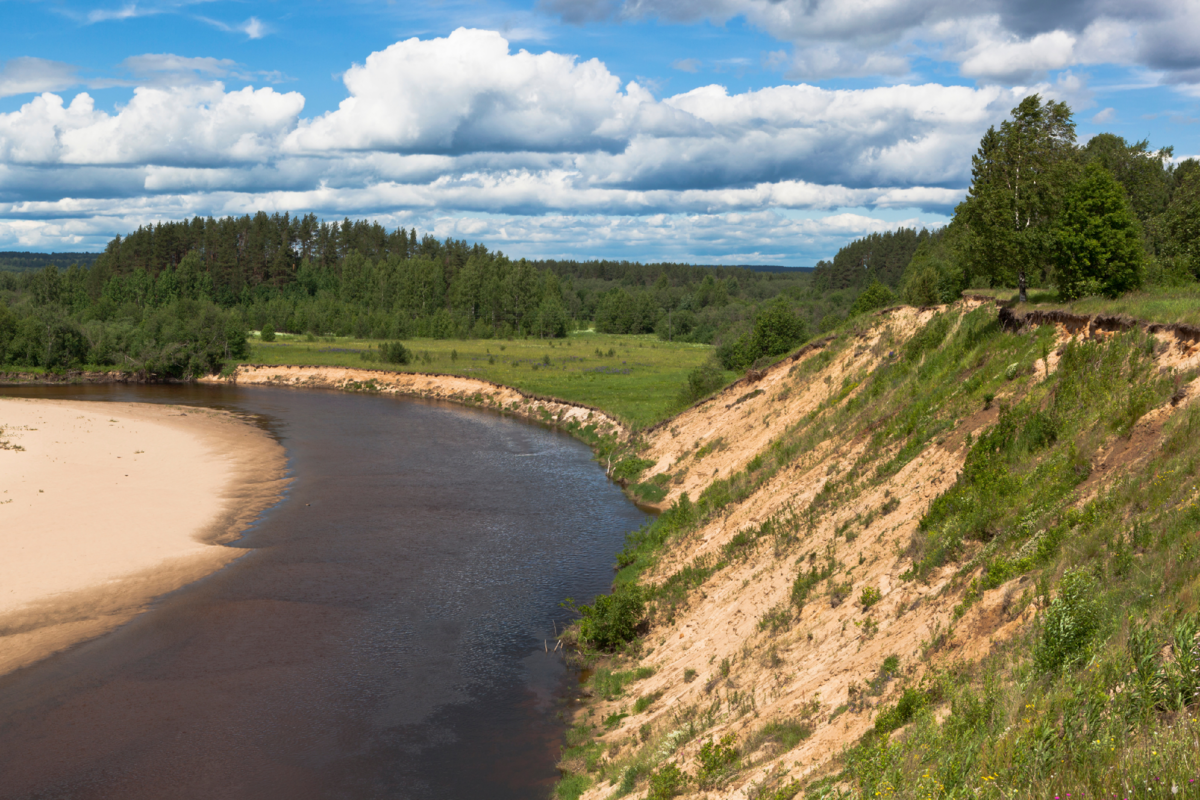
point(608, 684)
point(881, 257)
point(874, 296)
point(869, 597)
point(900, 714)
point(1143, 174)
point(1097, 242)
point(777, 329)
point(1017, 178)
point(1071, 622)
point(183, 339)
point(702, 382)
point(612, 619)
point(806, 581)
point(395, 353)
point(937, 272)
point(645, 701)
point(571, 787)
point(629, 469)
point(719, 759)
point(666, 782)
point(1181, 226)
point(786, 734)
point(267, 334)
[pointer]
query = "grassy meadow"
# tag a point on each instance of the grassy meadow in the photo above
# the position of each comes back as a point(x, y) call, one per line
point(636, 378)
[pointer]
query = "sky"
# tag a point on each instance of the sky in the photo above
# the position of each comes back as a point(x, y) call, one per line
point(705, 131)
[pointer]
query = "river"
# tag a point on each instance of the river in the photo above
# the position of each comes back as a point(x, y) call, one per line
point(384, 636)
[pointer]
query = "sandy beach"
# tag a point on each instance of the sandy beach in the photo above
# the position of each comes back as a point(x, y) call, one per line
point(104, 506)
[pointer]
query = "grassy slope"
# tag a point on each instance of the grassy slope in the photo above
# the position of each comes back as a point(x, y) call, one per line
point(1155, 304)
point(1076, 508)
point(638, 383)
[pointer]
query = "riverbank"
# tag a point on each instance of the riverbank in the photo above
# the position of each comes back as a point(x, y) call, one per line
point(104, 508)
point(451, 388)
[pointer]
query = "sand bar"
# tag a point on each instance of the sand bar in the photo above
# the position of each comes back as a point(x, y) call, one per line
point(104, 506)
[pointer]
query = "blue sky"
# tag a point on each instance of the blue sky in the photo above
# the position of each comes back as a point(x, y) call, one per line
point(712, 131)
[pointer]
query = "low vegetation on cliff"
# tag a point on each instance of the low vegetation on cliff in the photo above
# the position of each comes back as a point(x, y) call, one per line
point(942, 554)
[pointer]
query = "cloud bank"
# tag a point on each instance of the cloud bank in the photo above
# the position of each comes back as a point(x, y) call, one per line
point(461, 131)
point(993, 40)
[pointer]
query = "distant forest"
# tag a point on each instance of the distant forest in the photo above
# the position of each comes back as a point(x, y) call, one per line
point(147, 290)
point(178, 298)
point(21, 261)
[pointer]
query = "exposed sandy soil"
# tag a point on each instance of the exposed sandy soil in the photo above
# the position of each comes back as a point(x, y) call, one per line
point(730, 429)
point(435, 387)
point(104, 506)
point(829, 655)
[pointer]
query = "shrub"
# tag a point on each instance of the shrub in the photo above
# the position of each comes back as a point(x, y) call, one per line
point(874, 296)
point(701, 382)
point(718, 760)
point(777, 329)
point(395, 353)
point(869, 597)
point(267, 334)
point(1070, 623)
point(645, 701)
point(612, 619)
point(785, 733)
point(912, 701)
point(630, 469)
point(571, 787)
point(666, 783)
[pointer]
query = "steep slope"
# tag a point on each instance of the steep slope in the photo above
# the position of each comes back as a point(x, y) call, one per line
point(841, 529)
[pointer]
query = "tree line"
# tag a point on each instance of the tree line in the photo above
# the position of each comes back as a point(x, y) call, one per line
point(302, 275)
point(1103, 218)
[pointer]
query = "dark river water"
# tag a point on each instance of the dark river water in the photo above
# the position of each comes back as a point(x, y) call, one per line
point(383, 639)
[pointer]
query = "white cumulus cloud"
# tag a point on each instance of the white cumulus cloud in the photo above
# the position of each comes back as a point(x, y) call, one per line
point(180, 125)
point(467, 92)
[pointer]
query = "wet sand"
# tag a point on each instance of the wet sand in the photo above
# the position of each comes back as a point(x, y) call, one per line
point(105, 507)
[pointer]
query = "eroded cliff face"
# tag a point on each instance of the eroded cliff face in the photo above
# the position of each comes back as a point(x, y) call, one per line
point(794, 607)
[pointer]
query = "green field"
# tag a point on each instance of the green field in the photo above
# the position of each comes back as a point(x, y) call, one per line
point(635, 378)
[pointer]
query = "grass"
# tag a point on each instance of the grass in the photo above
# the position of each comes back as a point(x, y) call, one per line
point(1166, 304)
point(1100, 697)
point(635, 378)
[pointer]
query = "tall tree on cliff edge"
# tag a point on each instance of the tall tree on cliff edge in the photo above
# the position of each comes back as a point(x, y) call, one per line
point(1017, 177)
point(1097, 241)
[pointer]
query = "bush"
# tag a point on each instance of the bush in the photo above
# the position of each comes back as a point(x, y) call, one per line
point(874, 296)
point(701, 382)
point(267, 334)
point(777, 329)
point(629, 469)
point(666, 783)
point(395, 353)
point(1070, 623)
point(718, 759)
point(612, 619)
point(912, 701)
